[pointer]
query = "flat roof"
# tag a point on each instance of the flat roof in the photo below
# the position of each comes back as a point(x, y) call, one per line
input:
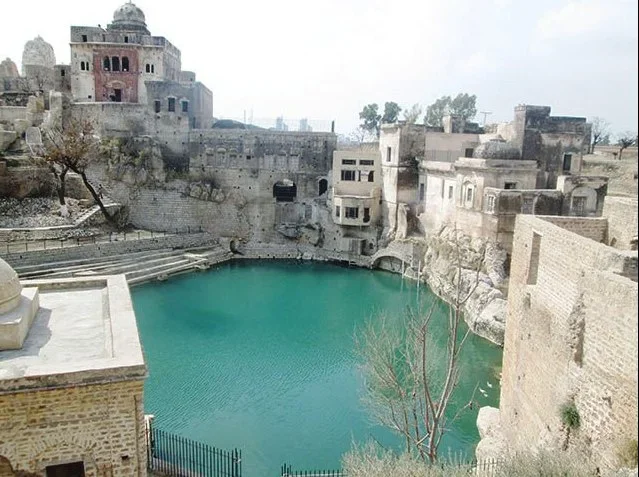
point(83, 333)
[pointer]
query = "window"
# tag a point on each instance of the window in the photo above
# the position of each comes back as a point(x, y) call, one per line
point(490, 204)
point(103, 37)
point(337, 211)
point(157, 105)
point(349, 162)
point(125, 63)
point(366, 162)
point(62, 72)
point(422, 191)
point(533, 265)
point(351, 212)
point(152, 68)
point(117, 95)
point(579, 205)
point(171, 105)
point(371, 176)
point(106, 64)
point(388, 154)
point(126, 39)
point(148, 68)
point(185, 106)
point(451, 192)
point(347, 175)
point(367, 215)
point(84, 39)
point(115, 63)
point(468, 152)
point(469, 195)
point(527, 205)
point(510, 185)
point(567, 162)
point(82, 68)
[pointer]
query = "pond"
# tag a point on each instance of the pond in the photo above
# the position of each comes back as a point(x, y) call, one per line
point(260, 356)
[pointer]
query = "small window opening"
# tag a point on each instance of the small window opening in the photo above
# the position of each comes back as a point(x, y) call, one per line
point(115, 63)
point(451, 191)
point(126, 39)
point(337, 211)
point(533, 265)
point(367, 215)
point(185, 106)
point(323, 186)
point(347, 175)
point(157, 105)
point(82, 65)
point(388, 154)
point(366, 162)
point(567, 162)
point(84, 39)
point(106, 64)
point(284, 191)
point(510, 185)
point(422, 191)
point(468, 152)
point(148, 68)
point(171, 105)
point(371, 176)
point(62, 72)
point(349, 162)
point(125, 63)
point(117, 95)
point(152, 68)
point(351, 212)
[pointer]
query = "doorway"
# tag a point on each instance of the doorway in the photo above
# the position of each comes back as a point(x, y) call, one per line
point(74, 469)
point(117, 94)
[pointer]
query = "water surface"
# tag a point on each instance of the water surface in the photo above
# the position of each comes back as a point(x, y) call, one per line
point(260, 356)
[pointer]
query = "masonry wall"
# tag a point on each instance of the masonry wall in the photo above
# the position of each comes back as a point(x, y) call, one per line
point(102, 425)
point(570, 337)
point(621, 213)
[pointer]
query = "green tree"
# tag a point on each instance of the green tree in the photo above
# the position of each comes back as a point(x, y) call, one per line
point(371, 118)
point(391, 112)
point(463, 105)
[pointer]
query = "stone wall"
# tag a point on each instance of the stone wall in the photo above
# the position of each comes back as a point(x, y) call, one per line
point(101, 424)
point(621, 213)
point(72, 252)
point(570, 338)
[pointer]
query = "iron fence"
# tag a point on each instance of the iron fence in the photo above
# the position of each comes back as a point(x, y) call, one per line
point(177, 456)
point(487, 468)
point(20, 246)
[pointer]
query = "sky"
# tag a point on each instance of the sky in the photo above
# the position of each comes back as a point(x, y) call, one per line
point(325, 60)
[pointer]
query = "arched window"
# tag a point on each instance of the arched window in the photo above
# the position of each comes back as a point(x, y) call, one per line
point(106, 64)
point(171, 102)
point(152, 68)
point(323, 186)
point(148, 68)
point(82, 65)
point(469, 194)
point(125, 63)
point(115, 63)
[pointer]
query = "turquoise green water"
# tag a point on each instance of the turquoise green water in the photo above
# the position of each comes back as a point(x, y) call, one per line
point(260, 356)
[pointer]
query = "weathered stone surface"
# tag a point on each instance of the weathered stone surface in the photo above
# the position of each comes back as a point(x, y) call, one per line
point(6, 139)
point(8, 69)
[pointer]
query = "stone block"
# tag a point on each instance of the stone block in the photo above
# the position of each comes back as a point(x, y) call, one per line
point(14, 325)
point(6, 139)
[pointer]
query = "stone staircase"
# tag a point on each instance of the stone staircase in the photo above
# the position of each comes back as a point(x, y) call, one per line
point(138, 267)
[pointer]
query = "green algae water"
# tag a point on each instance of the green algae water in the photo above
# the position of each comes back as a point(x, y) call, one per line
point(261, 356)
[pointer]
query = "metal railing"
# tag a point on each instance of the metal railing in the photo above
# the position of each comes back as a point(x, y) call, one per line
point(177, 456)
point(487, 468)
point(21, 246)
point(287, 471)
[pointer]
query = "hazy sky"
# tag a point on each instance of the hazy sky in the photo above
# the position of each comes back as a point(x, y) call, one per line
point(325, 59)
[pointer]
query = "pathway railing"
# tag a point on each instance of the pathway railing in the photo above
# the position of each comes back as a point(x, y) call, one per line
point(287, 471)
point(177, 456)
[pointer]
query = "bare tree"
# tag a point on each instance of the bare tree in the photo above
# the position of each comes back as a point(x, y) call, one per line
point(406, 388)
point(412, 114)
point(600, 130)
point(74, 148)
point(360, 135)
point(625, 140)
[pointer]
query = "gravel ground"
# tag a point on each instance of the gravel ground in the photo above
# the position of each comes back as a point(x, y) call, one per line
point(36, 212)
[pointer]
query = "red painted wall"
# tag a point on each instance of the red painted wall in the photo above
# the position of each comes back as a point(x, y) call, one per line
point(107, 81)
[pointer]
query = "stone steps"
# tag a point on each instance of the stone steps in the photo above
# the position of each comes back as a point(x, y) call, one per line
point(164, 273)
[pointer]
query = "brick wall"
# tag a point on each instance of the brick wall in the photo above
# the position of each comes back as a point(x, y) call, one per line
point(102, 425)
point(570, 336)
point(621, 213)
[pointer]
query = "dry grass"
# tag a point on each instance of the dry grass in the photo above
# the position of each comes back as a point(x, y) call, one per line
point(622, 173)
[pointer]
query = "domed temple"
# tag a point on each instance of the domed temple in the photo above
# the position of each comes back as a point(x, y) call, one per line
point(124, 63)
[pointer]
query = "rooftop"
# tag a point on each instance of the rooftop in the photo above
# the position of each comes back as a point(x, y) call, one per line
point(84, 332)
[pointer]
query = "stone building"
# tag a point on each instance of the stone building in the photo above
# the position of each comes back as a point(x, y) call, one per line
point(571, 340)
point(124, 63)
point(479, 182)
point(356, 193)
point(71, 378)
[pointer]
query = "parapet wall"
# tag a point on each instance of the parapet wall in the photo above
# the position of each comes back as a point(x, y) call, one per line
point(621, 213)
point(570, 338)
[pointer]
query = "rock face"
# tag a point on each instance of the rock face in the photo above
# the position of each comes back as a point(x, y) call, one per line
point(485, 309)
point(493, 445)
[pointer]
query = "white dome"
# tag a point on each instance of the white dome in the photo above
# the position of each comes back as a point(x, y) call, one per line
point(10, 288)
point(128, 17)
